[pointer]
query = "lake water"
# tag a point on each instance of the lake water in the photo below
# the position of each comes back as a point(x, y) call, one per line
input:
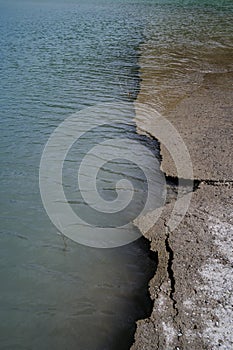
point(57, 59)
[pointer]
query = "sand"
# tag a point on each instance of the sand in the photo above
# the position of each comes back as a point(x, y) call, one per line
point(192, 289)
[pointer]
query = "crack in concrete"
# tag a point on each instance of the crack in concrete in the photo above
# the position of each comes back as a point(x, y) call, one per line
point(174, 181)
point(170, 272)
point(165, 278)
point(217, 182)
point(195, 184)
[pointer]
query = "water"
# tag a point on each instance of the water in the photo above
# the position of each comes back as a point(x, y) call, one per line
point(56, 59)
point(184, 40)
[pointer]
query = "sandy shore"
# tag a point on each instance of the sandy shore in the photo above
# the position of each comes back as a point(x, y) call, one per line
point(193, 285)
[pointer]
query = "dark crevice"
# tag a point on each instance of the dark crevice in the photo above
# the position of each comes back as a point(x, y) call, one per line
point(217, 182)
point(154, 257)
point(174, 181)
point(170, 271)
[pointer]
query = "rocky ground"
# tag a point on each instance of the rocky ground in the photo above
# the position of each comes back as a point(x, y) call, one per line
point(193, 285)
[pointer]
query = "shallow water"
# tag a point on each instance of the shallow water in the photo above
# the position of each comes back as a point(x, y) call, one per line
point(184, 40)
point(57, 59)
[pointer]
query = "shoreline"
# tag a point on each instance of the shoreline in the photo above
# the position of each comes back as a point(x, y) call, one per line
point(193, 286)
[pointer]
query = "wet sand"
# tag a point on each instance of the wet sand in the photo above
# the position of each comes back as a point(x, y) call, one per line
point(192, 289)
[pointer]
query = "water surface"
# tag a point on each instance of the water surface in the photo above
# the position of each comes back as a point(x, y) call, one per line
point(56, 59)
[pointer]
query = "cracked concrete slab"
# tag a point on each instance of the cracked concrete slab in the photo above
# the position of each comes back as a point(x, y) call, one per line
point(193, 285)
